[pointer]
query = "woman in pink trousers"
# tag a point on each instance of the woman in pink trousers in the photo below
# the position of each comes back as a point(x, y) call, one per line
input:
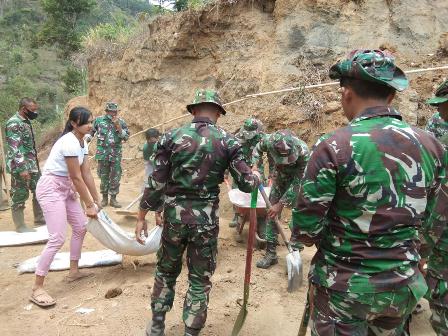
point(66, 173)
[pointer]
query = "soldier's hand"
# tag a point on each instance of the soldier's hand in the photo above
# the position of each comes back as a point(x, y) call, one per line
point(141, 228)
point(25, 175)
point(159, 218)
point(275, 210)
point(258, 176)
point(422, 266)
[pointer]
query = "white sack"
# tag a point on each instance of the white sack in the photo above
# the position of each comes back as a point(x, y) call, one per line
point(62, 261)
point(242, 199)
point(12, 238)
point(115, 238)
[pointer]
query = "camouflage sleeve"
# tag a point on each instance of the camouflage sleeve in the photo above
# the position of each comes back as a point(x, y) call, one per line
point(316, 194)
point(436, 212)
point(290, 195)
point(17, 163)
point(124, 135)
point(153, 197)
point(257, 153)
point(240, 171)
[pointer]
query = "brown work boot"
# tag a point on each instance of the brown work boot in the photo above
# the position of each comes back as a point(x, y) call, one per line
point(19, 220)
point(104, 201)
point(113, 202)
point(270, 258)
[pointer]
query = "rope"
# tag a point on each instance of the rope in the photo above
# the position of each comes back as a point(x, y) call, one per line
point(306, 87)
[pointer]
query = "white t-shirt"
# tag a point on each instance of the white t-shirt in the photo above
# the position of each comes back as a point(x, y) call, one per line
point(66, 146)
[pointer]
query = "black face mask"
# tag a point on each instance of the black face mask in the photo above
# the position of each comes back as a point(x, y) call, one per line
point(31, 115)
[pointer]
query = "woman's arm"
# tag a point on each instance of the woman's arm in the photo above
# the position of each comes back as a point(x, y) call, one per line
point(74, 172)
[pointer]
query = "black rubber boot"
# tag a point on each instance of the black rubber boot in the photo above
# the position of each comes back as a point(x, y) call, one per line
point(105, 200)
point(156, 327)
point(191, 332)
point(113, 202)
point(39, 219)
point(19, 220)
point(270, 258)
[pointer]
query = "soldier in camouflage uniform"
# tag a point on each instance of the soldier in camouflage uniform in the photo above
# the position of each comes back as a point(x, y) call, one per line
point(249, 135)
point(438, 124)
point(22, 163)
point(190, 162)
point(437, 238)
point(290, 155)
point(111, 131)
point(152, 136)
point(366, 191)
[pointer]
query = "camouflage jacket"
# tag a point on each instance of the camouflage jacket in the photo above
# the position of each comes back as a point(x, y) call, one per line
point(367, 191)
point(21, 149)
point(190, 162)
point(248, 146)
point(148, 150)
point(286, 176)
point(439, 127)
point(108, 145)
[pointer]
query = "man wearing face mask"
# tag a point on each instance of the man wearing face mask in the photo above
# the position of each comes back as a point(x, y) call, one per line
point(111, 131)
point(22, 163)
point(289, 155)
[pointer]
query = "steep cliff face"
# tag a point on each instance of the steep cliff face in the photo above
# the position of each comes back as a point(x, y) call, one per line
point(244, 47)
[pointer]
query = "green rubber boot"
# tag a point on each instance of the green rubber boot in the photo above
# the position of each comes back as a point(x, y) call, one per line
point(39, 219)
point(18, 218)
point(113, 202)
point(191, 331)
point(104, 201)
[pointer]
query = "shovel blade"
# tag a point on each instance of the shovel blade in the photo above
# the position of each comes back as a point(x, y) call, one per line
point(295, 271)
point(239, 321)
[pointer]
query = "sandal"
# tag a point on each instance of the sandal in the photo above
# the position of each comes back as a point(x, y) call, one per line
point(39, 293)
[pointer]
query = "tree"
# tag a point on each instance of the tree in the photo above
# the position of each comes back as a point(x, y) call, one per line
point(61, 26)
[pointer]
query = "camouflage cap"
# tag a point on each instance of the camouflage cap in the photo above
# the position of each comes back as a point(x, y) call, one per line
point(152, 133)
point(205, 96)
point(111, 107)
point(251, 128)
point(283, 148)
point(441, 95)
point(371, 65)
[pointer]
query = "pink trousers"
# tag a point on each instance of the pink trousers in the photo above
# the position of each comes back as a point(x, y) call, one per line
point(59, 205)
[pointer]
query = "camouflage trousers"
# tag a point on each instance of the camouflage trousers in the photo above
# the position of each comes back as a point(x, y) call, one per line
point(109, 173)
point(438, 302)
point(20, 189)
point(336, 313)
point(192, 227)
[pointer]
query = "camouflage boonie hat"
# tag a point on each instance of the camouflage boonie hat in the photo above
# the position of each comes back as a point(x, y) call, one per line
point(251, 128)
point(441, 95)
point(111, 107)
point(283, 147)
point(371, 65)
point(204, 96)
point(152, 133)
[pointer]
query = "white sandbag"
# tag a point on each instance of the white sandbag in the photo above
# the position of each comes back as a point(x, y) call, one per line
point(62, 261)
point(115, 238)
point(12, 238)
point(242, 199)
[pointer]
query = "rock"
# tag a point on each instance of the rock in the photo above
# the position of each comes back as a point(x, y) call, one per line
point(113, 292)
point(331, 107)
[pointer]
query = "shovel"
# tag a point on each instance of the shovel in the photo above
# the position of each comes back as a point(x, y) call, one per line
point(250, 243)
point(293, 259)
point(126, 210)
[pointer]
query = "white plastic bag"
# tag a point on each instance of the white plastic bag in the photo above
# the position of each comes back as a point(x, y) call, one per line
point(62, 261)
point(242, 199)
point(115, 238)
point(12, 238)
